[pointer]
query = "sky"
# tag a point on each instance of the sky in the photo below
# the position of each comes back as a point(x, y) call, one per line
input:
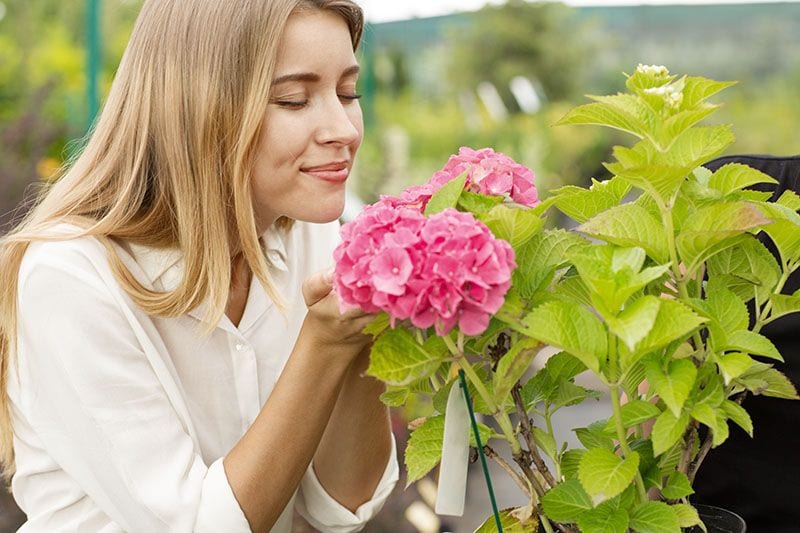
point(386, 10)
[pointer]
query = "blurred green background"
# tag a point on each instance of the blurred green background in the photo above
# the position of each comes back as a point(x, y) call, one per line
point(497, 77)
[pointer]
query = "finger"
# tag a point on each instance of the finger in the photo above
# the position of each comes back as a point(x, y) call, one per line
point(317, 286)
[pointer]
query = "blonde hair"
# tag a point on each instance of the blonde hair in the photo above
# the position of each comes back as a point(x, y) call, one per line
point(169, 160)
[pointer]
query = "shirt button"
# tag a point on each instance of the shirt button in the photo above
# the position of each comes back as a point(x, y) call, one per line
point(240, 347)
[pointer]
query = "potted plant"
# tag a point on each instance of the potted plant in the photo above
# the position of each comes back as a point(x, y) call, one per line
point(649, 293)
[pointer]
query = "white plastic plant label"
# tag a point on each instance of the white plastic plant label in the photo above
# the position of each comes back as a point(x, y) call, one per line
point(455, 455)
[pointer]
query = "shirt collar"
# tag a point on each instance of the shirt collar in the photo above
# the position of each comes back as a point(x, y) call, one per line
point(165, 265)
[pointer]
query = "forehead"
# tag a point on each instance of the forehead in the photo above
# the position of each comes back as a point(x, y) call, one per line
point(315, 40)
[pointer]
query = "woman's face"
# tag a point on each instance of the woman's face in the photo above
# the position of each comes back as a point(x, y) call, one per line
point(313, 124)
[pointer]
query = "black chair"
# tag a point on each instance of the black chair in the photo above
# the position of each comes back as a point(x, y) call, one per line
point(759, 478)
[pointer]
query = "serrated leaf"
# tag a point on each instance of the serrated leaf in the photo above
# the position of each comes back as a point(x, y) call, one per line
point(697, 89)
point(672, 384)
point(778, 385)
point(566, 501)
point(592, 437)
point(783, 304)
point(447, 196)
point(604, 474)
point(679, 123)
point(727, 311)
point(571, 328)
point(751, 264)
point(509, 523)
point(789, 199)
point(667, 430)
point(736, 176)
point(378, 325)
point(658, 180)
point(687, 515)
point(604, 519)
point(714, 419)
point(629, 225)
point(570, 461)
point(567, 394)
point(752, 343)
point(677, 486)
point(478, 203)
point(635, 321)
point(740, 417)
point(397, 359)
point(563, 367)
point(545, 441)
point(733, 365)
point(512, 224)
point(655, 517)
point(712, 227)
point(394, 397)
point(635, 412)
point(786, 236)
point(542, 255)
point(603, 114)
point(512, 366)
point(674, 321)
point(582, 204)
point(697, 146)
point(424, 450)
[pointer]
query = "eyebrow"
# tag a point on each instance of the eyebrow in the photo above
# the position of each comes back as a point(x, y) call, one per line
point(312, 77)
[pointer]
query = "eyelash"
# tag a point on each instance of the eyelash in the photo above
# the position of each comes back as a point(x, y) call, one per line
point(291, 104)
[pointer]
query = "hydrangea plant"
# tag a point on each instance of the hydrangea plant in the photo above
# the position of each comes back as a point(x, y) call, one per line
point(660, 292)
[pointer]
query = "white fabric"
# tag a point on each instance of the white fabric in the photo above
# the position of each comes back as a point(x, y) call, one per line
point(121, 419)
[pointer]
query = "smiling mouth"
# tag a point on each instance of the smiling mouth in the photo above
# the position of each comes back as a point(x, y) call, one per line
point(332, 172)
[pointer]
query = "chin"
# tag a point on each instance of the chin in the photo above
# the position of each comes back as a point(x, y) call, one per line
point(321, 214)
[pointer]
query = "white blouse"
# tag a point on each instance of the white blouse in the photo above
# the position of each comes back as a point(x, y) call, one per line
point(121, 420)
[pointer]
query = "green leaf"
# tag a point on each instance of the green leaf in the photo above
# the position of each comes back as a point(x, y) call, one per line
point(395, 397)
point(733, 365)
point(679, 123)
point(447, 196)
point(570, 462)
point(635, 321)
point(629, 225)
point(596, 436)
point(566, 501)
point(635, 412)
point(674, 321)
point(397, 359)
point(604, 474)
point(778, 385)
point(786, 236)
point(751, 265)
point(677, 486)
point(582, 204)
point(542, 255)
point(672, 384)
point(512, 366)
point(513, 224)
point(509, 523)
point(697, 89)
point(545, 441)
point(727, 311)
point(571, 328)
point(655, 517)
point(563, 367)
point(424, 450)
point(378, 325)
point(783, 304)
point(698, 145)
point(789, 199)
point(667, 430)
point(604, 519)
point(687, 515)
point(603, 114)
point(660, 181)
point(752, 343)
point(735, 176)
point(712, 227)
point(740, 417)
point(714, 419)
point(478, 203)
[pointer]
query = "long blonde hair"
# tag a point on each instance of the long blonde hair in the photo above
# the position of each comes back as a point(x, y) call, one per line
point(169, 160)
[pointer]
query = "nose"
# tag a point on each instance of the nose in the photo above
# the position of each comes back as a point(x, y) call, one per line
point(340, 123)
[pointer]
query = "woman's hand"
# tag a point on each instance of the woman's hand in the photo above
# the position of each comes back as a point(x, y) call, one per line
point(329, 328)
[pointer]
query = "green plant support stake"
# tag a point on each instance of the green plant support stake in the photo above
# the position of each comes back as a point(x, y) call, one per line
point(480, 450)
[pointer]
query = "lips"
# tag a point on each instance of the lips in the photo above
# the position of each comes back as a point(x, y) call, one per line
point(335, 172)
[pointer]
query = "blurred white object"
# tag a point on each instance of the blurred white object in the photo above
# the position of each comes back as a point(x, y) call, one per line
point(491, 99)
point(422, 518)
point(525, 94)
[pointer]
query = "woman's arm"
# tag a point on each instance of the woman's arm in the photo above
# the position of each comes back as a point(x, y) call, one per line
point(267, 464)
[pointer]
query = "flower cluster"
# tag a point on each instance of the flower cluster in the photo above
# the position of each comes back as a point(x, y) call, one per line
point(442, 271)
point(487, 172)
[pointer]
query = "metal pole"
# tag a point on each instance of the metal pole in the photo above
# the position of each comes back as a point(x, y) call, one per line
point(93, 60)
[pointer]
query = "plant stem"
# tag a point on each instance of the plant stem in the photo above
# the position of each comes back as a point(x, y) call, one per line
point(526, 487)
point(527, 434)
point(623, 437)
point(763, 315)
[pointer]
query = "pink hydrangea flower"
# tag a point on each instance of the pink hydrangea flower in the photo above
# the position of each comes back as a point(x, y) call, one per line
point(488, 172)
point(441, 271)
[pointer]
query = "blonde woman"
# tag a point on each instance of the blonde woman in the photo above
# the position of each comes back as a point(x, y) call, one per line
point(173, 358)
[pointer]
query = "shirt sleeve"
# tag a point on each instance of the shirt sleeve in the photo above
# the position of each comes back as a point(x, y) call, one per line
point(326, 514)
point(99, 411)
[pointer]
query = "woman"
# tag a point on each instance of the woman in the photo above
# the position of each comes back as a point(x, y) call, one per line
point(170, 359)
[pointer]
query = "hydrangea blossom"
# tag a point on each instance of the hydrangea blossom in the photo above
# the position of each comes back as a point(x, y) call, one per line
point(488, 172)
point(441, 271)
